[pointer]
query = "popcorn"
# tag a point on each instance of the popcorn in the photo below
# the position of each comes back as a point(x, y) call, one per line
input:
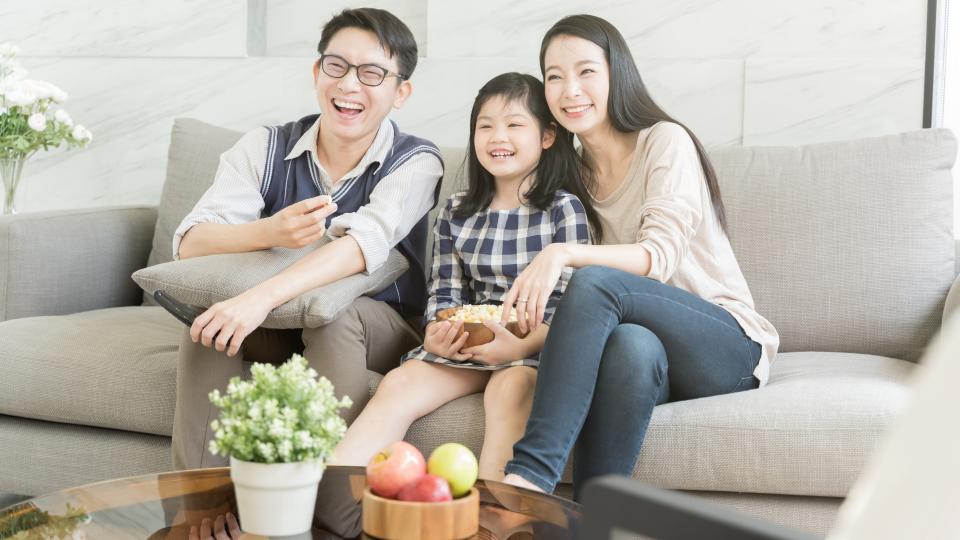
point(478, 313)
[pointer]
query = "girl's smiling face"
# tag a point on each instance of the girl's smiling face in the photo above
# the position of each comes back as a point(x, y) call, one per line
point(577, 84)
point(508, 140)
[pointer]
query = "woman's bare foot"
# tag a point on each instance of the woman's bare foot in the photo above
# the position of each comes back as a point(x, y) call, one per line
point(519, 481)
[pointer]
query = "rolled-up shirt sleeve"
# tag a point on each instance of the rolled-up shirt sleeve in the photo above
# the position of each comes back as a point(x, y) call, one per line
point(398, 202)
point(673, 202)
point(234, 197)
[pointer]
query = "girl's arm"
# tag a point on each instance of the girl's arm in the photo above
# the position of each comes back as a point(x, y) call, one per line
point(448, 283)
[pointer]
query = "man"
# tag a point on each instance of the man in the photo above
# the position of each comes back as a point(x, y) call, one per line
point(343, 173)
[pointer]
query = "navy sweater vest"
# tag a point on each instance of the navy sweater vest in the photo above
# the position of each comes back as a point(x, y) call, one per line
point(286, 182)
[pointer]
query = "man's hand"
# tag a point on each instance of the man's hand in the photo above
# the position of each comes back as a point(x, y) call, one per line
point(224, 528)
point(299, 224)
point(440, 339)
point(504, 348)
point(226, 324)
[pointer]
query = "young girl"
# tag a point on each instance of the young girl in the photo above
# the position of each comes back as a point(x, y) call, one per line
point(522, 196)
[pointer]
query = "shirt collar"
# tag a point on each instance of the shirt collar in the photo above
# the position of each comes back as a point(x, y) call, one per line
point(375, 154)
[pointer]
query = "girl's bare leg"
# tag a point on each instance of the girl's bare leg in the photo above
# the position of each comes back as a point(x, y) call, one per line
point(406, 393)
point(506, 404)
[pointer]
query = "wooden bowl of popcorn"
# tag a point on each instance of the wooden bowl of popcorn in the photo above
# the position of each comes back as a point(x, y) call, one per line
point(473, 317)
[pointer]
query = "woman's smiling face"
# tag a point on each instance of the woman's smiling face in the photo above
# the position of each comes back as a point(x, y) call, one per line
point(576, 77)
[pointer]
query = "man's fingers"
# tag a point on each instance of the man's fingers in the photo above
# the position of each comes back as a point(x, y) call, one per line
point(194, 533)
point(209, 331)
point(223, 338)
point(237, 340)
point(206, 528)
point(309, 205)
point(198, 324)
point(233, 526)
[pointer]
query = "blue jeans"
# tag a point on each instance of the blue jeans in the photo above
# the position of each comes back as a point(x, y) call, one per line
point(619, 345)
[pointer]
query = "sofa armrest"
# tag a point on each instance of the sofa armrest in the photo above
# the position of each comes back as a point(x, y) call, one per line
point(952, 305)
point(67, 261)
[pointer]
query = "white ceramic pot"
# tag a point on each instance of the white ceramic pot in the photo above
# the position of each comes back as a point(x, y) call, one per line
point(275, 499)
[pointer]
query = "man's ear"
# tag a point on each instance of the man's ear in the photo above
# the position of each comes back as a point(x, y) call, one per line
point(404, 89)
point(316, 71)
point(549, 136)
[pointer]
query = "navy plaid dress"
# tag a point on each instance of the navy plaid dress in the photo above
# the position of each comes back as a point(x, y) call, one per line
point(476, 259)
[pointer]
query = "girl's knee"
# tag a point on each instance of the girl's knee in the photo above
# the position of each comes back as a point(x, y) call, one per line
point(509, 388)
point(400, 380)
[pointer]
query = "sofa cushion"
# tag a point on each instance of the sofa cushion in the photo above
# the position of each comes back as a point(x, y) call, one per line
point(204, 281)
point(192, 162)
point(846, 246)
point(112, 368)
point(809, 431)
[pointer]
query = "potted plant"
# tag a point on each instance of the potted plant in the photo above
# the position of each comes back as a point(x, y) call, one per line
point(279, 428)
point(29, 122)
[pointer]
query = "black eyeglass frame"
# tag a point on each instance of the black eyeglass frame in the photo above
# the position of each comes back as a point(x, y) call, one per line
point(356, 68)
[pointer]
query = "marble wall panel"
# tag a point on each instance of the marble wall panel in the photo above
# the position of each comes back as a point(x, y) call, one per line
point(803, 101)
point(214, 28)
point(293, 26)
point(689, 28)
point(130, 106)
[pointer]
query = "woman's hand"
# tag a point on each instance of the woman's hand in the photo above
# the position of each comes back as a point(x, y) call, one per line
point(532, 289)
point(440, 338)
point(504, 348)
point(226, 324)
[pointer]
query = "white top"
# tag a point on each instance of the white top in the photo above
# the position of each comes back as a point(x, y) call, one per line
point(377, 226)
point(664, 205)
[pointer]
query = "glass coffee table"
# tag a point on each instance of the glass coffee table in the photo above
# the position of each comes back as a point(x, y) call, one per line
point(165, 506)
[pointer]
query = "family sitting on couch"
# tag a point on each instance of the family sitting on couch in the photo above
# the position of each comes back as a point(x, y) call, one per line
point(619, 249)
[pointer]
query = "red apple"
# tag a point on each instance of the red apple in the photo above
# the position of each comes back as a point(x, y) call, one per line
point(428, 488)
point(394, 467)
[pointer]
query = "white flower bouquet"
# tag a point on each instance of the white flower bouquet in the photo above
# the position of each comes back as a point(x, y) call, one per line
point(280, 415)
point(28, 120)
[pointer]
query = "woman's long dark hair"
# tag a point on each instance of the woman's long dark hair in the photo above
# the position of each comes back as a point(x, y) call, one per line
point(559, 166)
point(629, 106)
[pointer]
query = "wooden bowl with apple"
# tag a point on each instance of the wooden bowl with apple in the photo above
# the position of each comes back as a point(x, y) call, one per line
point(403, 520)
point(472, 317)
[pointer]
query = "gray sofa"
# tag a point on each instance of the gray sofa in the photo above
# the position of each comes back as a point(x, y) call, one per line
point(848, 249)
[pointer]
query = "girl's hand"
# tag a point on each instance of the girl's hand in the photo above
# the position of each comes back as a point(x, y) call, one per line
point(533, 287)
point(226, 324)
point(504, 348)
point(440, 339)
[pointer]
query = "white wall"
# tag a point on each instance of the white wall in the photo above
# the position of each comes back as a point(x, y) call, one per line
point(738, 71)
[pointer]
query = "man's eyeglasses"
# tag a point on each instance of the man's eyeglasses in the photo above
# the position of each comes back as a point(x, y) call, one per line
point(368, 74)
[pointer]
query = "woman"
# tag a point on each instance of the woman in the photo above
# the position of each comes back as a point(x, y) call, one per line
point(660, 311)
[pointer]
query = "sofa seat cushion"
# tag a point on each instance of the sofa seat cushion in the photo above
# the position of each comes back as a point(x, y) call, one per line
point(809, 431)
point(111, 368)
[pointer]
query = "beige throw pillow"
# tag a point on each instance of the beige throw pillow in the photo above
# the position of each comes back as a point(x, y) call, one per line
point(204, 281)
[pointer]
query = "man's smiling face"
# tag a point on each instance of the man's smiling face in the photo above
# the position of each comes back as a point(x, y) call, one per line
point(351, 109)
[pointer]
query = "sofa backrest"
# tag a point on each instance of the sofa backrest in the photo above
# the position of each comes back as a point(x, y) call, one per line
point(846, 246)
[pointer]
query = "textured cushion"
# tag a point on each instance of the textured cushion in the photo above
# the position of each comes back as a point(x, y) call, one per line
point(808, 432)
point(192, 162)
point(112, 368)
point(846, 246)
point(204, 281)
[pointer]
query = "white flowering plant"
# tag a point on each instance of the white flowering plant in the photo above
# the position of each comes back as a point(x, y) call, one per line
point(281, 415)
point(29, 119)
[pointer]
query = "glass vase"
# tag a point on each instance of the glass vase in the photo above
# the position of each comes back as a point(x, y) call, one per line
point(10, 170)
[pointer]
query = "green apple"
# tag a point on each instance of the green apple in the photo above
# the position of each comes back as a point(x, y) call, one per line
point(456, 464)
